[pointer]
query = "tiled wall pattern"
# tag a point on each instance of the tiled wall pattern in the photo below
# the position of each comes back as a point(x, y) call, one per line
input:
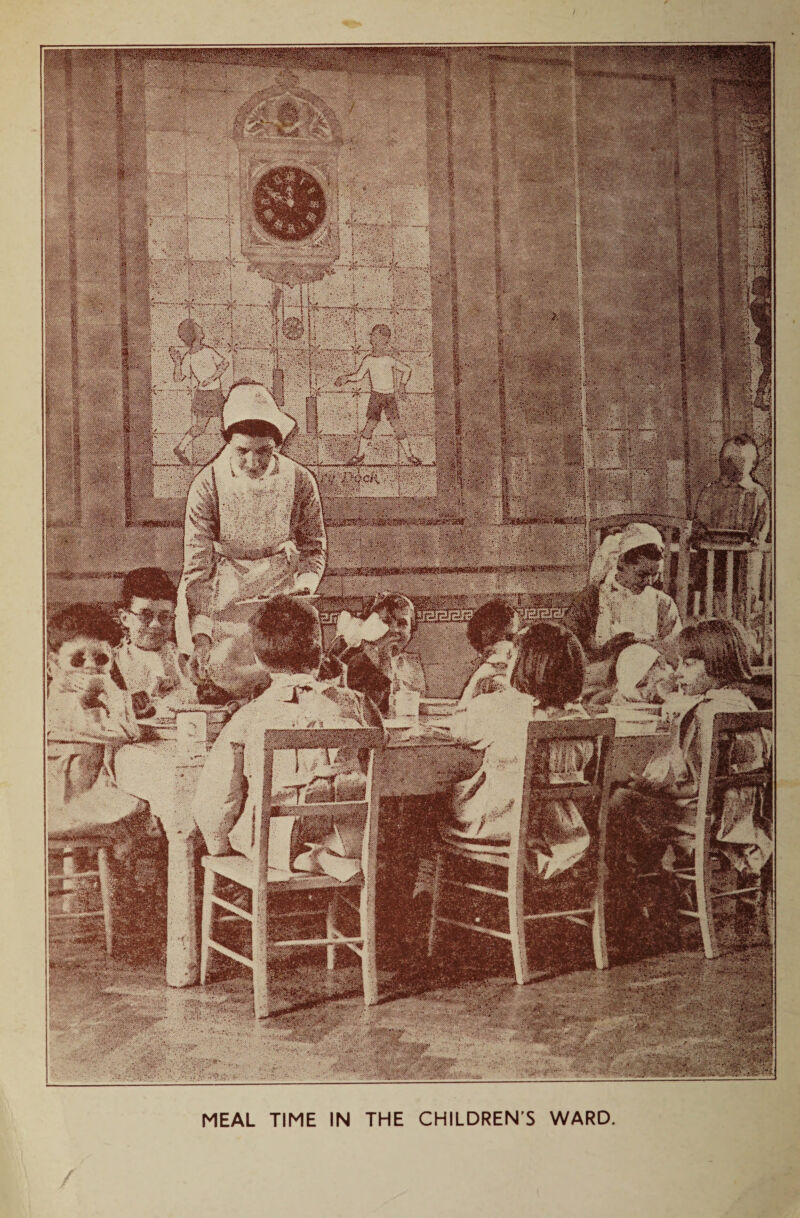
point(197, 270)
point(631, 294)
point(666, 148)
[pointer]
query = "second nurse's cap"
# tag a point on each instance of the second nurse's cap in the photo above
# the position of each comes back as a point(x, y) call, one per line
point(255, 403)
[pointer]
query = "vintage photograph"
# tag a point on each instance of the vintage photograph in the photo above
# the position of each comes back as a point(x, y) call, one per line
point(409, 586)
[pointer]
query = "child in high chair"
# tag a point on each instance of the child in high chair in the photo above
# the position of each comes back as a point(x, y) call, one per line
point(88, 717)
point(149, 662)
point(287, 639)
point(546, 683)
point(491, 631)
point(653, 818)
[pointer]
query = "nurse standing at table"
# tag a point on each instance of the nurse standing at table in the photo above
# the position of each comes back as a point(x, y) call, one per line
point(254, 528)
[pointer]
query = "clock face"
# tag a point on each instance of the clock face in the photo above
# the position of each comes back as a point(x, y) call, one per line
point(289, 202)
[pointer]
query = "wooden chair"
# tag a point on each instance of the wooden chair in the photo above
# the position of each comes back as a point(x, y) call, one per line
point(264, 882)
point(676, 533)
point(63, 847)
point(747, 595)
point(61, 850)
point(592, 799)
point(718, 776)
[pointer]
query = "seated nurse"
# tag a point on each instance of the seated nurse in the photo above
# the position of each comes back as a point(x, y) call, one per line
point(254, 528)
point(620, 605)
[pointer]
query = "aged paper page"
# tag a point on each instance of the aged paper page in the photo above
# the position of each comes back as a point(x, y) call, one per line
point(175, 1134)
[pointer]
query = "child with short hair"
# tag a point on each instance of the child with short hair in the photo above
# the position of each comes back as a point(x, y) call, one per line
point(653, 818)
point(734, 502)
point(491, 631)
point(381, 367)
point(546, 683)
point(88, 715)
point(287, 638)
point(151, 666)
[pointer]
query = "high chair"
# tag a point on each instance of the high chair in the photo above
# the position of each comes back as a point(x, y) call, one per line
point(62, 847)
point(455, 857)
point(676, 532)
point(719, 775)
point(264, 882)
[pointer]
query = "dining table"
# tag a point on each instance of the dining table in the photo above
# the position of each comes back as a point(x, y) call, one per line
point(420, 759)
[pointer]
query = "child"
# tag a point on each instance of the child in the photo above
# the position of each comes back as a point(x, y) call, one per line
point(204, 367)
point(88, 715)
point(546, 681)
point(149, 662)
point(287, 638)
point(735, 502)
point(378, 667)
point(654, 817)
point(381, 367)
point(642, 675)
point(491, 631)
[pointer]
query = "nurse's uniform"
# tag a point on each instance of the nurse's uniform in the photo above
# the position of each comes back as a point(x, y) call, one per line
point(245, 539)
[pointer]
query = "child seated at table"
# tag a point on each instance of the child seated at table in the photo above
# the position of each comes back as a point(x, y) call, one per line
point(642, 675)
point(381, 667)
point(151, 666)
point(287, 639)
point(652, 821)
point(490, 632)
point(88, 717)
point(546, 683)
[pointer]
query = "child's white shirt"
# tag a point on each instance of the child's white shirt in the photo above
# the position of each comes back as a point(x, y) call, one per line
point(380, 369)
point(159, 674)
point(203, 365)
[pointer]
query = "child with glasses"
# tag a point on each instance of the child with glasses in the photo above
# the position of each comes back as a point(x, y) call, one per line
point(151, 666)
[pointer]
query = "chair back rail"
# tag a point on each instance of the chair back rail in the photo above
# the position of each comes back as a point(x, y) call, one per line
point(712, 788)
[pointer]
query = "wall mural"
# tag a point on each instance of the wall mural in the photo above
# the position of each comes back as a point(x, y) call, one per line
point(288, 244)
point(757, 257)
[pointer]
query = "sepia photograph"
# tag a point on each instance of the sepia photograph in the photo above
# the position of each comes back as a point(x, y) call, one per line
point(409, 611)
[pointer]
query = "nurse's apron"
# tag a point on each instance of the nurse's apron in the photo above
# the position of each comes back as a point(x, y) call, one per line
point(255, 558)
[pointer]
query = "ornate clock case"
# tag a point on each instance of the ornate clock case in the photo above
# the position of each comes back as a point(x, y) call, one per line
point(289, 142)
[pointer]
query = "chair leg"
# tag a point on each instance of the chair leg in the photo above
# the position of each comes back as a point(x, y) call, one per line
point(260, 988)
point(435, 899)
point(206, 922)
point(599, 943)
point(516, 925)
point(369, 967)
point(705, 908)
point(106, 896)
point(330, 927)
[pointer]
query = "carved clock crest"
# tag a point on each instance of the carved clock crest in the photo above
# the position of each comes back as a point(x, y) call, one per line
point(289, 142)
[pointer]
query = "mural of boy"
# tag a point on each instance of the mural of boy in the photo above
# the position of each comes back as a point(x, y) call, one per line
point(381, 367)
point(761, 313)
point(203, 366)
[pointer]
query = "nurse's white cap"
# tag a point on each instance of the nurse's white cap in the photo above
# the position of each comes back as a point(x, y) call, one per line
point(251, 403)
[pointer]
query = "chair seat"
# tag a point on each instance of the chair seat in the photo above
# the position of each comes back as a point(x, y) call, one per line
point(242, 871)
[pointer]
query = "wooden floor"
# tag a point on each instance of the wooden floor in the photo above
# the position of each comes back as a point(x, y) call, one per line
point(673, 1015)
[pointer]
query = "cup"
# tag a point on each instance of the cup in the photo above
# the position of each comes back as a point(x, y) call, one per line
point(405, 704)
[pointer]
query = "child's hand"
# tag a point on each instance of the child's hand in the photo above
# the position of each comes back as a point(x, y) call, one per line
point(175, 354)
point(401, 392)
point(339, 382)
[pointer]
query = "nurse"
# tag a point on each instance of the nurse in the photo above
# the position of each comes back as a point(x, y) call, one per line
point(254, 528)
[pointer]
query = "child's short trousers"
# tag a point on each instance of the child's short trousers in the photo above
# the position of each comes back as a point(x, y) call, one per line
point(382, 403)
point(208, 402)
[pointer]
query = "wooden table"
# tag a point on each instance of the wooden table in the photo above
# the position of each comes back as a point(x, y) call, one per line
point(406, 768)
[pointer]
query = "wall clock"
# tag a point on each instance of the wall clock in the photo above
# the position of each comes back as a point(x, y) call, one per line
point(289, 142)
